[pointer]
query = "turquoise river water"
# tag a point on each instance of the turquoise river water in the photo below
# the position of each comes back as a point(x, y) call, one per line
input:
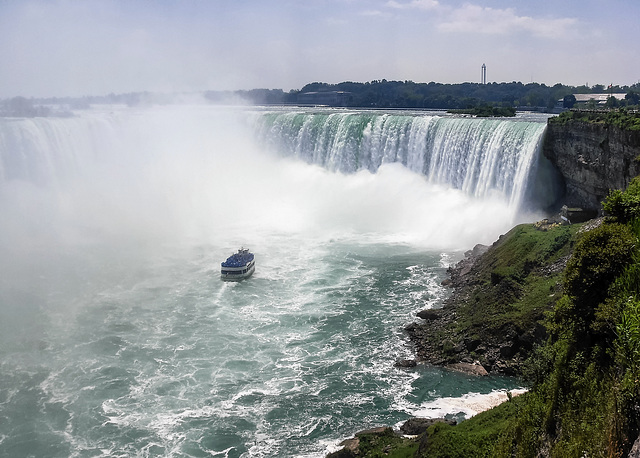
point(117, 337)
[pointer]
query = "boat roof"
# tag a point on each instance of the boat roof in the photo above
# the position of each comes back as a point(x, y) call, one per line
point(239, 259)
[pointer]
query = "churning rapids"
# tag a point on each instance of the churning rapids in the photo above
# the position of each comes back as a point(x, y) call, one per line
point(117, 337)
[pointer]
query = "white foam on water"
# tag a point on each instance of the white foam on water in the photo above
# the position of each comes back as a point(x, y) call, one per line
point(122, 235)
point(468, 405)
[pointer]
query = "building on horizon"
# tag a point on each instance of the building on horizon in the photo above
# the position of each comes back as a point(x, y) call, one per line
point(600, 100)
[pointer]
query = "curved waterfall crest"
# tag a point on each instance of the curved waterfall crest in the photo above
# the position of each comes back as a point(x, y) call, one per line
point(482, 157)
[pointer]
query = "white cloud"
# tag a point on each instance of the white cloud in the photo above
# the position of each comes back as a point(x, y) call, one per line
point(483, 20)
point(414, 4)
point(373, 13)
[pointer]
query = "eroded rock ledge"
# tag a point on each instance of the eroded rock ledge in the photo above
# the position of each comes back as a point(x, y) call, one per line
point(593, 157)
point(376, 436)
point(494, 316)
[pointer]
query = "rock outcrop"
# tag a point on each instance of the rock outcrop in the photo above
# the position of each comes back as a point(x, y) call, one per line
point(592, 157)
point(494, 316)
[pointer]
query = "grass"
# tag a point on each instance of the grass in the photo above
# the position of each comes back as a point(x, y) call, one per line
point(381, 444)
point(515, 285)
point(622, 119)
point(484, 435)
point(584, 393)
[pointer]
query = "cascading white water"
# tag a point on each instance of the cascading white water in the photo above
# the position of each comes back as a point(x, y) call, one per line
point(176, 171)
point(117, 337)
point(482, 157)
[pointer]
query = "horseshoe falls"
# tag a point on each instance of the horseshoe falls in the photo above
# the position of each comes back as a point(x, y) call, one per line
point(481, 157)
point(117, 336)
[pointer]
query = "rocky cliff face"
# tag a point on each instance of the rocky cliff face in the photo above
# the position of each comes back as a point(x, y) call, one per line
point(593, 158)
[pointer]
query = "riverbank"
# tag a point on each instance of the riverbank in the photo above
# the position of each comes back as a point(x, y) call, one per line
point(579, 285)
point(488, 325)
point(556, 305)
point(494, 316)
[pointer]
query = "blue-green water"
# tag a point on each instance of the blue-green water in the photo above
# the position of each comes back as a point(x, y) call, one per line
point(117, 337)
point(158, 357)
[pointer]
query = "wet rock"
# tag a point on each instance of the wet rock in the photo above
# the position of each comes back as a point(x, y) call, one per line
point(380, 430)
point(430, 314)
point(469, 369)
point(406, 363)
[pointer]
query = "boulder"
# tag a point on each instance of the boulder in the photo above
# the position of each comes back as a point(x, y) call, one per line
point(406, 363)
point(416, 426)
point(635, 450)
point(380, 430)
point(429, 314)
point(470, 369)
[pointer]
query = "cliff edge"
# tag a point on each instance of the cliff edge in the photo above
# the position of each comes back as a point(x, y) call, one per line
point(494, 317)
point(594, 152)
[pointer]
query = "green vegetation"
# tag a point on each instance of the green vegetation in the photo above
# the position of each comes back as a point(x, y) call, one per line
point(408, 94)
point(485, 111)
point(380, 444)
point(486, 435)
point(512, 293)
point(386, 444)
point(518, 280)
point(585, 391)
point(382, 94)
point(584, 397)
point(624, 206)
point(622, 118)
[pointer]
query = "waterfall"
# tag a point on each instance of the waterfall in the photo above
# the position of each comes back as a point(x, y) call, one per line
point(184, 171)
point(481, 157)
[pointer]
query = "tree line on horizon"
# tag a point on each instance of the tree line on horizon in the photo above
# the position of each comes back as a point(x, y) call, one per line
point(373, 94)
point(408, 94)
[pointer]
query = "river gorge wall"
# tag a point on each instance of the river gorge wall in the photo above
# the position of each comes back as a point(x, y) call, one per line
point(592, 157)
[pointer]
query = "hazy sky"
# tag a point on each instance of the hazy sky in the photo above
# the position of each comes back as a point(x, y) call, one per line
point(94, 47)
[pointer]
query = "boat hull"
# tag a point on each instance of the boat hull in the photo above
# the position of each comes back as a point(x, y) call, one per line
point(238, 273)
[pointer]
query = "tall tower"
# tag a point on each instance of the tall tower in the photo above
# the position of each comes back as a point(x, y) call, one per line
point(484, 74)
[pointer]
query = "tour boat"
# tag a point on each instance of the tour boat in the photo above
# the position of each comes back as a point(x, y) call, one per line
point(238, 266)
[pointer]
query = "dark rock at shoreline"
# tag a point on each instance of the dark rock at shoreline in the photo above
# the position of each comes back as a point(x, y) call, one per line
point(468, 334)
point(468, 368)
point(459, 274)
point(430, 314)
point(350, 446)
point(415, 426)
point(406, 363)
point(412, 427)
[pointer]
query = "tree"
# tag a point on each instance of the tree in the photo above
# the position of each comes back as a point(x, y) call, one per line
point(598, 258)
point(21, 106)
point(569, 101)
point(632, 98)
point(612, 102)
point(624, 206)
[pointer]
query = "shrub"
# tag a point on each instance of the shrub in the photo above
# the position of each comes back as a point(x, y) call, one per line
point(628, 331)
point(624, 206)
point(599, 257)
